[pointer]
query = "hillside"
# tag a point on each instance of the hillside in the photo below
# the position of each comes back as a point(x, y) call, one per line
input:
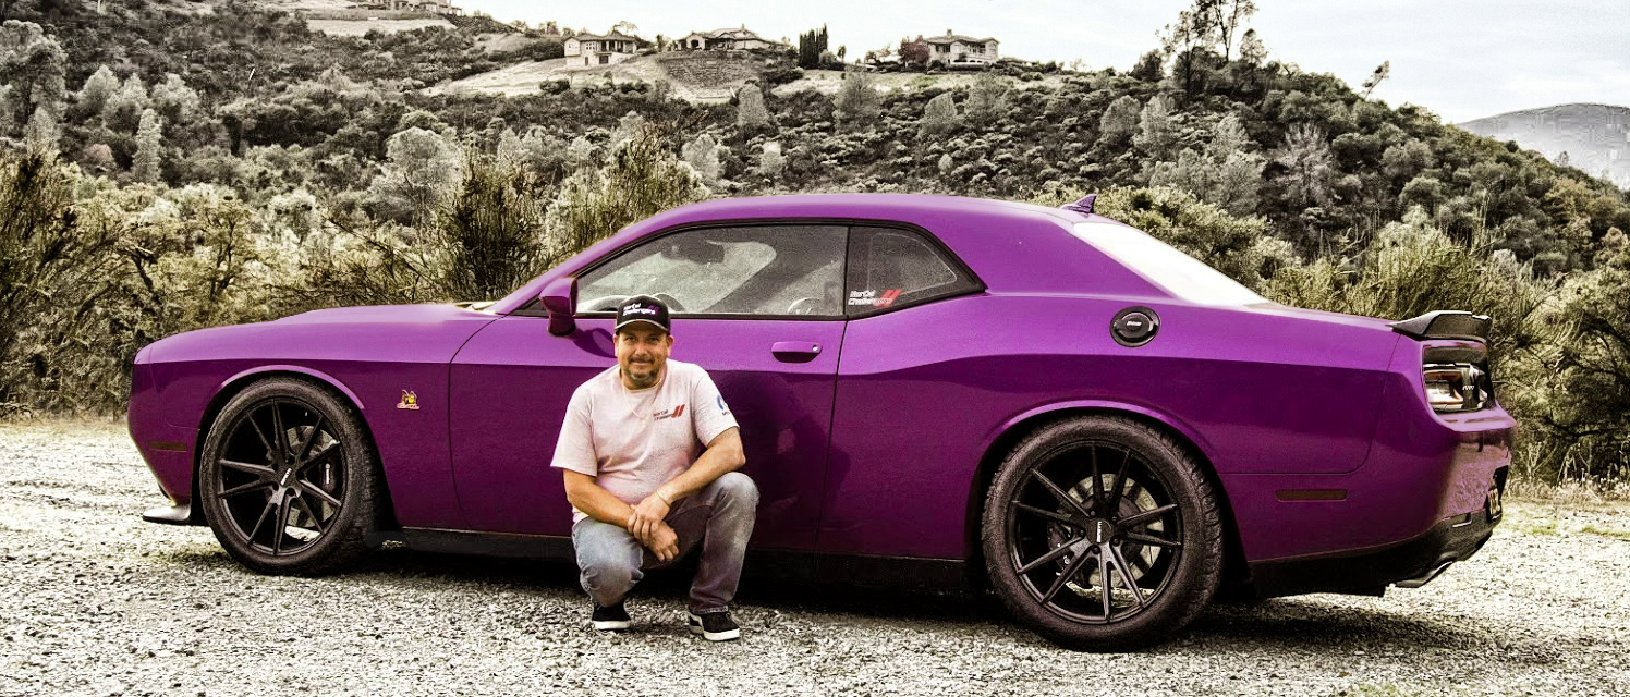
point(1596, 137)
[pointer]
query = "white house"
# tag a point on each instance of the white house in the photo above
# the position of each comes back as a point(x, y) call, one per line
point(592, 49)
point(961, 51)
point(727, 39)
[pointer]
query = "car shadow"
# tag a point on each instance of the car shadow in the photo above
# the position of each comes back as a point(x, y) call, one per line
point(1303, 623)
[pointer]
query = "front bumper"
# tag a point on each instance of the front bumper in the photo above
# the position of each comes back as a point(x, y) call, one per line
point(1410, 564)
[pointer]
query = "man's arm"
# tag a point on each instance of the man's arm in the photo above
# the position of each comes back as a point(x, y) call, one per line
point(586, 495)
point(723, 455)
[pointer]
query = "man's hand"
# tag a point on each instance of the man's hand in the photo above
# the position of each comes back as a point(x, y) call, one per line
point(664, 543)
point(646, 517)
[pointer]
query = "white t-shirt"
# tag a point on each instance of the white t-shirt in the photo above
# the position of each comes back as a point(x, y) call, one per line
point(633, 441)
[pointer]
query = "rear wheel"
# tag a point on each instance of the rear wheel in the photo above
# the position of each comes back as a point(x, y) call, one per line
point(286, 479)
point(1102, 534)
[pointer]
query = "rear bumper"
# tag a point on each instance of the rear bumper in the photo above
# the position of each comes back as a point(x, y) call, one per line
point(1408, 565)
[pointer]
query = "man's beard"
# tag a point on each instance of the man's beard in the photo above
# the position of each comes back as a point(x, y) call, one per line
point(647, 381)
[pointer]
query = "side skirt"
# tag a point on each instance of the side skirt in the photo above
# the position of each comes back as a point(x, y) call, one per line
point(845, 569)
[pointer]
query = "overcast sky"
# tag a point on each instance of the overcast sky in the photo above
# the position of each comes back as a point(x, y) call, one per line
point(1463, 59)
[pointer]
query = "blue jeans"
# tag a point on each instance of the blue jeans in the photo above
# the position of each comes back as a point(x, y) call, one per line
point(720, 516)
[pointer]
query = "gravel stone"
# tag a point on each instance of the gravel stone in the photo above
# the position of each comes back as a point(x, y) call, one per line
point(93, 601)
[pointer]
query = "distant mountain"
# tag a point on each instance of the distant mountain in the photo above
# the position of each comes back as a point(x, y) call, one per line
point(1596, 137)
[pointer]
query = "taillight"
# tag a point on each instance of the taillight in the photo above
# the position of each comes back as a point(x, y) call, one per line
point(1455, 387)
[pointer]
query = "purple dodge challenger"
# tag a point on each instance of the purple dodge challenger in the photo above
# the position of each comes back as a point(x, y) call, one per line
point(931, 390)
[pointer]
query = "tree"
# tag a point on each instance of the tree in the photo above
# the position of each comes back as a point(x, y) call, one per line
point(149, 149)
point(8, 111)
point(489, 231)
point(1226, 174)
point(858, 102)
point(123, 110)
point(1149, 67)
point(987, 99)
point(174, 100)
point(422, 169)
point(641, 178)
point(1119, 121)
point(811, 45)
point(1190, 38)
point(96, 92)
point(1562, 159)
point(914, 51)
point(702, 154)
point(750, 110)
point(1230, 16)
point(1382, 72)
point(771, 162)
point(1251, 49)
point(939, 116)
point(1157, 130)
point(42, 132)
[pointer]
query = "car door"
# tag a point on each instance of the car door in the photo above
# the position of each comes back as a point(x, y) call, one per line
point(758, 306)
point(891, 486)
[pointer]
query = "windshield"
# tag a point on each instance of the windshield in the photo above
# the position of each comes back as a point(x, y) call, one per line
point(1178, 273)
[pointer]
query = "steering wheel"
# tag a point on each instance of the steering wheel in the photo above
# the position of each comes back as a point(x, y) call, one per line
point(602, 303)
point(804, 306)
point(670, 301)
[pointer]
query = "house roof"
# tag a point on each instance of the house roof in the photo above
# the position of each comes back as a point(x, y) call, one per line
point(738, 33)
point(613, 36)
point(948, 38)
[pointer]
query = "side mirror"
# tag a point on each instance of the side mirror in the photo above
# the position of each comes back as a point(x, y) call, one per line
point(560, 299)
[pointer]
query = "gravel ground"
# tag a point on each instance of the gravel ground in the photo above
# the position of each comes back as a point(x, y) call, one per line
point(95, 602)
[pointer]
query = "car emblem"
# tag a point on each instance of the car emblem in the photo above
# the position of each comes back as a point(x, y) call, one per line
point(409, 400)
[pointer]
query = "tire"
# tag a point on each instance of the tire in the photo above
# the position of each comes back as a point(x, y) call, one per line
point(1150, 524)
point(327, 499)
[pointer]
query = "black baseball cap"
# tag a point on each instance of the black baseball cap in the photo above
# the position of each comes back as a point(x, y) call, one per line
point(642, 308)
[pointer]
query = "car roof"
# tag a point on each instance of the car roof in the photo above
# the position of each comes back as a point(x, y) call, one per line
point(988, 234)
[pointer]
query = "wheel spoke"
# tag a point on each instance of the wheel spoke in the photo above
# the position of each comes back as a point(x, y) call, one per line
point(280, 438)
point(1140, 518)
point(1063, 578)
point(1147, 540)
point(261, 472)
point(1143, 566)
point(1055, 553)
point(1126, 575)
point(316, 520)
point(1055, 515)
point(326, 454)
point(1097, 483)
point(1059, 493)
point(256, 485)
point(272, 453)
point(318, 492)
point(281, 531)
point(305, 448)
point(271, 502)
point(1103, 582)
point(1120, 482)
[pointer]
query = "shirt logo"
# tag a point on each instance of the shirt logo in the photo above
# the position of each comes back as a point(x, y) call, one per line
point(722, 408)
point(673, 413)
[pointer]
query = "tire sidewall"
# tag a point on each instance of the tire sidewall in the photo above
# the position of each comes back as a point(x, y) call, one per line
point(342, 540)
point(1195, 576)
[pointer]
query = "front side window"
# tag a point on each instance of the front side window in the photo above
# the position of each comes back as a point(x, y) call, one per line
point(890, 268)
point(776, 270)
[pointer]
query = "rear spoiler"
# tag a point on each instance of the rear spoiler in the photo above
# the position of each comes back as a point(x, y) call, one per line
point(1445, 324)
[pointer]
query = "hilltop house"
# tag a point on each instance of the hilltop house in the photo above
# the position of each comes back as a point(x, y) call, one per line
point(956, 51)
point(592, 49)
point(440, 7)
point(727, 39)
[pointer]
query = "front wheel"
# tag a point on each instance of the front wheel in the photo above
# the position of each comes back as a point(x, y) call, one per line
point(287, 480)
point(1102, 534)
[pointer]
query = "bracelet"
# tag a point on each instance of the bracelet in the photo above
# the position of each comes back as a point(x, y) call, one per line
point(662, 498)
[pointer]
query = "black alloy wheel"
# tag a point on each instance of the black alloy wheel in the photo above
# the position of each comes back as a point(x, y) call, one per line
point(1102, 534)
point(287, 480)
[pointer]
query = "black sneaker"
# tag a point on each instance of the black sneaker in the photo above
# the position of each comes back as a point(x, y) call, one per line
point(714, 626)
point(613, 618)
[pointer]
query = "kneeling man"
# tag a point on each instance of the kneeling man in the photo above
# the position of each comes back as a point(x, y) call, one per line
point(641, 497)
